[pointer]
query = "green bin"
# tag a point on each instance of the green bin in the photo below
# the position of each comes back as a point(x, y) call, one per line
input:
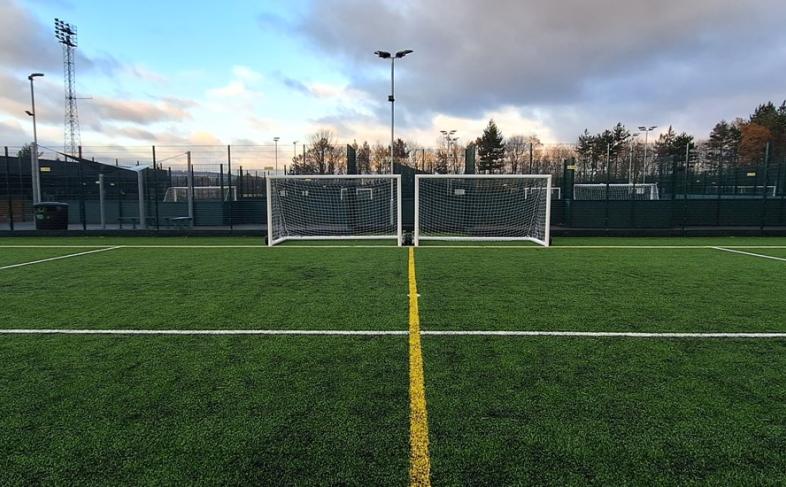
point(51, 216)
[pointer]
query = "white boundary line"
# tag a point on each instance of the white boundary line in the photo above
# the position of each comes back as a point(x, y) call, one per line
point(602, 334)
point(460, 333)
point(750, 253)
point(66, 331)
point(502, 247)
point(12, 266)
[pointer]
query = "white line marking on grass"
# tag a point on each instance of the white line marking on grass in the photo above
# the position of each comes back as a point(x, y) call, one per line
point(577, 334)
point(58, 258)
point(600, 247)
point(530, 247)
point(750, 253)
point(66, 331)
point(602, 334)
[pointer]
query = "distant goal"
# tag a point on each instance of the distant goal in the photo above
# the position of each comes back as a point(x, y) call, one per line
point(483, 207)
point(332, 207)
point(616, 191)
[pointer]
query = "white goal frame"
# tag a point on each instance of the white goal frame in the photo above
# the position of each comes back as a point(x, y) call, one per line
point(395, 208)
point(547, 236)
point(652, 190)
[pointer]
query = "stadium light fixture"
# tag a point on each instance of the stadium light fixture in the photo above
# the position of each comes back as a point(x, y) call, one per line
point(392, 97)
point(275, 141)
point(34, 150)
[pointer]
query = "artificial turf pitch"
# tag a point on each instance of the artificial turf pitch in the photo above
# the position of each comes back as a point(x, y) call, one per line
point(98, 409)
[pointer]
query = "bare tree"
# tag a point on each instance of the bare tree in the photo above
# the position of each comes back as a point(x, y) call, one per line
point(516, 152)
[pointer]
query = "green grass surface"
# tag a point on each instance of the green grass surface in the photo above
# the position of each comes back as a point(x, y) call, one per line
point(221, 410)
point(699, 290)
point(19, 256)
point(210, 288)
point(109, 410)
point(259, 240)
point(628, 412)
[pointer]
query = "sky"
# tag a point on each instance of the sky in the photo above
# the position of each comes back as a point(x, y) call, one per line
point(198, 73)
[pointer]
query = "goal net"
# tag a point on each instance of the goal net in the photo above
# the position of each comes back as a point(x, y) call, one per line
point(483, 207)
point(333, 207)
point(176, 194)
point(617, 191)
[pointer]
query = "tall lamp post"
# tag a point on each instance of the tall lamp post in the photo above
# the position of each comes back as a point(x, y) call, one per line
point(392, 97)
point(34, 149)
point(630, 163)
point(646, 131)
point(275, 141)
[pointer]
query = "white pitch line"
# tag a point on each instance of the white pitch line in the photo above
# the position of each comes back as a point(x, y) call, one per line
point(577, 334)
point(602, 334)
point(58, 258)
point(750, 253)
point(530, 247)
point(66, 331)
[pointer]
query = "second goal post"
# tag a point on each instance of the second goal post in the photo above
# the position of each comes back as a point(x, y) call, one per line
point(330, 207)
point(483, 207)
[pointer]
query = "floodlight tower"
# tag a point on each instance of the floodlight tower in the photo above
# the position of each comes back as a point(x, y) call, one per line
point(392, 97)
point(646, 131)
point(66, 35)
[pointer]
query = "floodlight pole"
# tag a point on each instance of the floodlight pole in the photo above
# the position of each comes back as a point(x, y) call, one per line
point(392, 97)
point(275, 140)
point(630, 164)
point(34, 171)
point(646, 131)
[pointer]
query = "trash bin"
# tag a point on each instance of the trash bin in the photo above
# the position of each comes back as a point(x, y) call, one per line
point(51, 216)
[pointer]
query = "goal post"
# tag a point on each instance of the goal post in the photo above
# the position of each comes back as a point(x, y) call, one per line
point(616, 191)
point(333, 207)
point(483, 207)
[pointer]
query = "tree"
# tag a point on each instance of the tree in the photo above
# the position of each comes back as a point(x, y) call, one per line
point(670, 144)
point(363, 158)
point(753, 142)
point(380, 157)
point(400, 151)
point(491, 149)
point(516, 152)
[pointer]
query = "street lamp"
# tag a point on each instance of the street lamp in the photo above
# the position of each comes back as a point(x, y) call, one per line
point(392, 97)
point(275, 140)
point(294, 151)
point(630, 164)
point(646, 131)
point(34, 150)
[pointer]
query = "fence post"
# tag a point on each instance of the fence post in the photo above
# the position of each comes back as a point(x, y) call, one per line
point(764, 198)
point(8, 190)
point(229, 184)
point(101, 198)
point(720, 189)
point(82, 212)
point(155, 189)
point(685, 189)
point(608, 187)
point(190, 186)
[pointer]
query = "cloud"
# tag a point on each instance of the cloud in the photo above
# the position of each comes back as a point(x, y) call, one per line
point(569, 56)
point(30, 45)
point(139, 111)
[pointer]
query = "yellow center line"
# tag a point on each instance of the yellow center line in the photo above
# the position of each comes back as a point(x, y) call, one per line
point(419, 463)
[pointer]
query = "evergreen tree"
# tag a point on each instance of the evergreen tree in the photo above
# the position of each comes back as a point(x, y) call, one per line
point(491, 149)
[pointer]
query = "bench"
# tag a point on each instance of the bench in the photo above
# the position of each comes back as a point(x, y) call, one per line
point(180, 221)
